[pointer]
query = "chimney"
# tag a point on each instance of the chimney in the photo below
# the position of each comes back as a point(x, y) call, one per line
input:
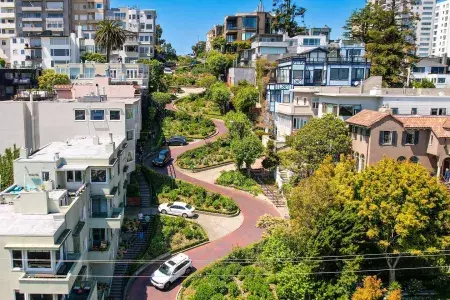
point(56, 156)
point(111, 139)
point(23, 152)
point(96, 140)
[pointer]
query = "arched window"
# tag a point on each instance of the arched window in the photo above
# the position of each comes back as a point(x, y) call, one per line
point(414, 159)
point(362, 162)
point(401, 158)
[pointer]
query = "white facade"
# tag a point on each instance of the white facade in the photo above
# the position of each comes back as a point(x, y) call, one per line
point(441, 33)
point(64, 210)
point(7, 27)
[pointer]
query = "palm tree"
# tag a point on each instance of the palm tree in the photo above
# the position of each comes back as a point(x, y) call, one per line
point(110, 34)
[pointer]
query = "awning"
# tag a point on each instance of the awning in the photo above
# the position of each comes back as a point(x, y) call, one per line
point(73, 168)
point(61, 239)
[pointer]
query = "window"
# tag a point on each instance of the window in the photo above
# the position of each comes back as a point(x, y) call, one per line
point(438, 111)
point(401, 158)
point(39, 259)
point(149, 17)
point(98, 175)
point(431, 139)
point(130, 156)
point(386, 138)
point(98, 5)
point(414, 159)
point(298, 123)
point(249, 22)
point(18, 295)
point(45, 175)
point(441, 80)
point(80, 115)
point(414, 111)
point(17, 261)
point(78, 176)
point(69, 176)
point(114, 115)
point(130, 135)
point(129, 113)
point(149, 26)
point(311, 42)
point(60, 52)
point(357, 73)
point(297, 74)
point(74, 176)
point(395, 111)
point(97, 115)
point(338, 74)
point(411, 137)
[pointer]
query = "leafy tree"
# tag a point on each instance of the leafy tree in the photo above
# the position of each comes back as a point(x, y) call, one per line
point(319, 138)
point(242, 45)
point(109, 35)
point(6, 166)
point(245, 99)
point(156, 81)
point(218, 63)
point(218, 43)
point(424, 84)
point(246, 150)
point(162, 98)
point(168, 52)
point(199, 47)
point(221, 95)
point(271, 161)
point(239, 126)
point(2, 62)
point(50, 78)
point(389, 35)
point(371, 290)
point(405, 209)
point(207, 81)
point(97, 57)
point(158, 35)
point(285, 14)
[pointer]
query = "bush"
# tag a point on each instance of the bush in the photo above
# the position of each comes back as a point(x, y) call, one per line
point(199, 104)
point(192, 127)
point(211, 154)
point(240, 181)
point(161, 98)
point(233, 289)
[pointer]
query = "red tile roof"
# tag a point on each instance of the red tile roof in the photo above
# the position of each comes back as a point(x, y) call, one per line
point(366, 118)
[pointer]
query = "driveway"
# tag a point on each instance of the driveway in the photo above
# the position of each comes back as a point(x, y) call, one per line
point(251, 209)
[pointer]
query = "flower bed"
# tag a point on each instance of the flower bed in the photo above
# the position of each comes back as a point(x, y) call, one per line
point(168, 190)
point(209, 155)
point(198, 104)
point(240, 181)
point(191, 127)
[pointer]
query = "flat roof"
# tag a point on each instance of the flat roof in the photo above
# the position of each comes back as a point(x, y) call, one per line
point(78, 147)
point(18, 224)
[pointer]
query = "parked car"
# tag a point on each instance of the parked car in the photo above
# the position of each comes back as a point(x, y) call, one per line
point(178, 209)
point(171, 270)
point(162, 159)
point(168, 71)
point(177, 140)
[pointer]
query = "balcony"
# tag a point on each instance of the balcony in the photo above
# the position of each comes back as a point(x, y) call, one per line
point(59, 283)
point(280, 44)
point(7, 4)
point(292, 109)
point(87, 290)
point(29, 6)
point(33, 57)
point(100, 250)
point(8, 15)
point(7, 25)
point(35, 28)
point(112, 219)
point(55, 7)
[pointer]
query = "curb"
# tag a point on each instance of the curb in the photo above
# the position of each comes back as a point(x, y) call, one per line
point(219, 215)
point(205, 168)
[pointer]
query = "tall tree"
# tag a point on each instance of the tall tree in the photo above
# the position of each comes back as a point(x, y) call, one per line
point(218, 43)
point(199, 48)
point(389, 35)
point(311, 144)
point(156, 81)
point(109, 35)
point(239, 126)
point(6, 167)
point(158, 35)
point(50, 78)
point(246, 150)
point(221, 95)
point(246, 99)
point(285, 14)
point(218, 63)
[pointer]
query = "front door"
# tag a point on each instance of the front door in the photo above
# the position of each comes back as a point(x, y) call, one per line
point(317, 77)
point(445, 166)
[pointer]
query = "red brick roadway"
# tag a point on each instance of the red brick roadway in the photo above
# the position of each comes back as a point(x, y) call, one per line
point(246, 234)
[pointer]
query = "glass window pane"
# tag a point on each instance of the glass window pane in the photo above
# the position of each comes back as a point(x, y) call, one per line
point(97, 115)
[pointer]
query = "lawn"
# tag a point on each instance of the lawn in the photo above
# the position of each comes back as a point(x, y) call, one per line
point(211, 154)
point(166, 189)
point(239, 180)
point(191, 127)
point(198, 104)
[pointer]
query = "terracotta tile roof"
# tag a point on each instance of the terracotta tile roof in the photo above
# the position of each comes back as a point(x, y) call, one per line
point(63, 86)
point(440, 125)
point(366, 118)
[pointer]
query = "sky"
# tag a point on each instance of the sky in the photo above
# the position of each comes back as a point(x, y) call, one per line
point(185, 22)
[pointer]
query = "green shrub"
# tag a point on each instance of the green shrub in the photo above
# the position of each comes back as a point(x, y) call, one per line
point(161, 98)
point(210, 154)
point(240, 181)
point(192, 127)
point(233, 289)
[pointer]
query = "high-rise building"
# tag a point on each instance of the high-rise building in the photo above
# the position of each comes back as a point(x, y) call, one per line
point(425, 26)
point(87, 13)
point(7, 26)
point(441, 33)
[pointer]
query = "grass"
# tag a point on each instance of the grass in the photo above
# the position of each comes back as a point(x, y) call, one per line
point(191, 127)
point(211, 154)
point(167, 189)
point(239, 180)
point(198, 104)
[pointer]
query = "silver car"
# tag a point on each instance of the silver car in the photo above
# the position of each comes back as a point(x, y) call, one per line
point(171, 270)
point(177, 209)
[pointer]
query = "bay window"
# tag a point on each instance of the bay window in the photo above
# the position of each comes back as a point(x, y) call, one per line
point(37, 259)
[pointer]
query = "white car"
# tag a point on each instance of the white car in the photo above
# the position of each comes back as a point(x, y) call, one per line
point(168, 71)
point(178, 209)
point(171, 270)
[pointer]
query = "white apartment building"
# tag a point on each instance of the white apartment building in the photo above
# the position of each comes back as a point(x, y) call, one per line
point(64, 210)
point(441, 33)
point(432, 69)
point(97, 108)
point(427, 11)
point(7, 27)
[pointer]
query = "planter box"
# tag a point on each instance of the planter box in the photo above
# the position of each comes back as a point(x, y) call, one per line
point(133, 201)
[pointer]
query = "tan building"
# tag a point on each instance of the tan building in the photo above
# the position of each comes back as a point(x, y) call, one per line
point(422, 139)
point(88, 13)
point(64, 211)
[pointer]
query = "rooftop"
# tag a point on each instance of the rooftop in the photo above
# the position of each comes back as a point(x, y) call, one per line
point(367, 117)
point(78, 147)
point(12, 223)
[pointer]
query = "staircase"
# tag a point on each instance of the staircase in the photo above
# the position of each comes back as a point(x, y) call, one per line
point(138, 246)
point(272, 194)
